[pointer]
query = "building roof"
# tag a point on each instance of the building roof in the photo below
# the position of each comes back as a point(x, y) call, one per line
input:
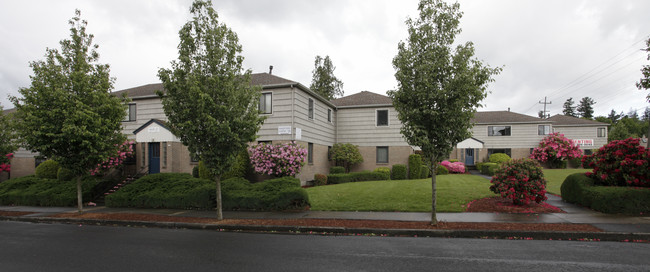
point(262, 79)
point(493, 117)
point(563, 120)
point(363, 98)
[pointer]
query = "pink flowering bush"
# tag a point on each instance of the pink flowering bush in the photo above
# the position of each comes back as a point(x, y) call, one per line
point(454, 167)
point(125, 150)
point(520, 180)
point(279, 160)
point(621, 163)
point(555, 148)
point(4, 163)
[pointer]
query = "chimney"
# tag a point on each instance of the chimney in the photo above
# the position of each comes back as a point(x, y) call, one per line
point(271, 70)
point(508, 108)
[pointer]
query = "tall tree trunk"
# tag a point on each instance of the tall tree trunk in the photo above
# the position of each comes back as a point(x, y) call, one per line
point(434, 166)
point(80, 203)
point(219, 208)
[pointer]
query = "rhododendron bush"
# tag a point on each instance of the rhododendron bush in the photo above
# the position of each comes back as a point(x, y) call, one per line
point(621, 163)
point(520, 180)
point(124, 151)
point(454, 167)
point(4, 163)
point(277, 159)
point(555, 148)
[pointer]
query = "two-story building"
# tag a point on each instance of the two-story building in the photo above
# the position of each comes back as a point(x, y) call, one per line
point(365, 119)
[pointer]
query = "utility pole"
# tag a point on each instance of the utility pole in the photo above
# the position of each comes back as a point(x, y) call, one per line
point(545, 103)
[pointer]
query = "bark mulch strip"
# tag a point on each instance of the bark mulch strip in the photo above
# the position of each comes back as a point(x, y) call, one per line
point(504, 205)
point(14, 213)
point(382, 224)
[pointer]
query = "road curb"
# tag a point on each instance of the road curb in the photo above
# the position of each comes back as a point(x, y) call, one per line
point(486, 234)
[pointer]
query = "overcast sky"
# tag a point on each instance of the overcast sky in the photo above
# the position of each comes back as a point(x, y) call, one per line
point(558, 49)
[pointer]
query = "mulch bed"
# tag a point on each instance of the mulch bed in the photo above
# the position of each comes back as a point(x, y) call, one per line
point(13, 213)
point(382, 224)
point(504, 205)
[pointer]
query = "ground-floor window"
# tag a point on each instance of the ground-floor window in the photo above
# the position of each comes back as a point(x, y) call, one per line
point(499, 150)
point(382, 154)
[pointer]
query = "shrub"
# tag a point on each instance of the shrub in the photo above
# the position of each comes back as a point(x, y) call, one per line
point(339, 178)
point(337, 170)
point(5, 166)
point(520, 180)
point(586, 161)
point(554, 149)
point(479, 166)
point(579, 189)
point(346, 155)
point(320, 180)
point(383, 169)
point(357, 176)
point(621, 163)
point(165, 190)
point(240, 168)
point(398, 172)
point(453, 160)
point(204, 173)
point(488, 168)
point(441, 170)
point(195, 171)
point(499, 158)
point(47, 169)
point(274, 194)
point(415, 162)
point(424, 171)
point(575, 162)
point(454, 167)
point(280, 160)
point(65, 174)
point(124, 151)
point(34, 191)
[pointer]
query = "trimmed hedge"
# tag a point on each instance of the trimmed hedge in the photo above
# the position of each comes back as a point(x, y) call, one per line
point(499, 158)
point(65, 175)
point(579, 189)
point(383, 169)
point(398, 172)
point(337, 170)
point(320, 180)
point(34, 191)
point(182, 191)
point(441, 170)
point(415, 162)
point(47, 169)
point(424, 171)
point(356, 176)
point(488, 168)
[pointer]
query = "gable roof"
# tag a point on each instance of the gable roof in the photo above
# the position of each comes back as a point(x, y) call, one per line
point(364, 98)
point(157, 121)
point(563, 120)
point(496, 117)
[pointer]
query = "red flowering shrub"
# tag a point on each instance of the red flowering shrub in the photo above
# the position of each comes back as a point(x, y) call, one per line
point(521, 180)
point(621, 163)
point(4, 163)
point(555, 148)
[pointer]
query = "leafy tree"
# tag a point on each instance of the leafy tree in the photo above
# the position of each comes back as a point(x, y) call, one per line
point(585, 108)
point(614, 117)
point(644, 83)
point(603, 119)
point(7, 138)
point(210, 103)
point(323, 80)
point(68, 113)
point(439, 87)
point(569, 108)
point(346, 155)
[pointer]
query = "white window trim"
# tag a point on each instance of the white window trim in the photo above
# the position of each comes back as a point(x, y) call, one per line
point(271, 93)
point(313, 110)
point(330, 115)
point(387, 117)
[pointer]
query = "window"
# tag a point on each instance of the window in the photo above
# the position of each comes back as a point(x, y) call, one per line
point(382, 154)
point(310, 153)
point(130, 113)
point(602, 132)
point(498, 130)
point(310, 112)
point(164, 155)
point(543, 129)
point(382, 118)
point(263, 142)
point(266, 103)
point(499, 150)
point(329, 153)
point(329, 115)
point(587, 151)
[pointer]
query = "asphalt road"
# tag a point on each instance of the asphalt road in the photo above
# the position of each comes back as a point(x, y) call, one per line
point(59, 247)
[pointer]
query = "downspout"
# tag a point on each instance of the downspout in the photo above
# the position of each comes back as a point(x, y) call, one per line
point(293, 103)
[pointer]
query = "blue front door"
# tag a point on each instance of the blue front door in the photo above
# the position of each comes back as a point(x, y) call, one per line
point(154, 158)
point(469, 156)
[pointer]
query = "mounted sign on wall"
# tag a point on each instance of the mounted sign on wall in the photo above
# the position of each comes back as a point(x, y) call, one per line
point(284, 130)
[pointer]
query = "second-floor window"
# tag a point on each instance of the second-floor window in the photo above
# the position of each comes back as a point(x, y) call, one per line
point(130, 113)
point(310, 111)
point(543, 129)
point(382, 118)
point(329, 115)
point(602, 132)
point(498, 130)
point(266, 103)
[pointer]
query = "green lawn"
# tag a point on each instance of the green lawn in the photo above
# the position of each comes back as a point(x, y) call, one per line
point(454, 191)
point(555, 177)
